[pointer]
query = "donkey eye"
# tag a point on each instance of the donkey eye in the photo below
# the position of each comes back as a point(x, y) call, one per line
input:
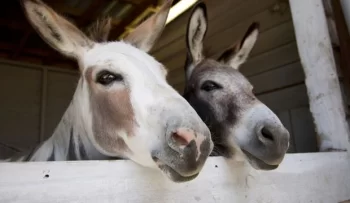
point(210, 86)
point(106, 77)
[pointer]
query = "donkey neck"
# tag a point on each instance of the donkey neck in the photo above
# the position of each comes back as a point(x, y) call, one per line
point(69, 140)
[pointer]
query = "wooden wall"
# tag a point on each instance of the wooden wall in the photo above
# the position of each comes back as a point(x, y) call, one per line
point(273, 67)
point(33, 100)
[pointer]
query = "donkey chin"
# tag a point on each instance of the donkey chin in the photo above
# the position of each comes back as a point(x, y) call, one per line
point(257, 160)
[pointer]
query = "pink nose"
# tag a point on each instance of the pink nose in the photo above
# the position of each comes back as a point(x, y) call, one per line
point(183, 136)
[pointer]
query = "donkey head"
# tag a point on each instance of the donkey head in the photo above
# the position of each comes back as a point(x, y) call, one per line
point(124, 104)
point(223, 98)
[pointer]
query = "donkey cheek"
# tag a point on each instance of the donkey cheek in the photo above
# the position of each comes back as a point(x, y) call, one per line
point(123, 114)
point(112, 115)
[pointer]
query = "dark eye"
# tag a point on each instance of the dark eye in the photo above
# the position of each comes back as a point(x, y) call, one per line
point(106, 77)
point(210, 86)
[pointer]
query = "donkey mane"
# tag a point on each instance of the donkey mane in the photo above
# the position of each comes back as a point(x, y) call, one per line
point(100, 29)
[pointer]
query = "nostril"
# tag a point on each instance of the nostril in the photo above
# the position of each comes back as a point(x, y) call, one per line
point(182, 137)
point(267, 134)
point(179, 140)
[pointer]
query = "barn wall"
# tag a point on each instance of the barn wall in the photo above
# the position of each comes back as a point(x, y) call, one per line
point(273, 67)
point(33, 99)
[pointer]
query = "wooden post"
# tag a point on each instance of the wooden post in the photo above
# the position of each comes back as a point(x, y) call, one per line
point(316, 55)
point(346, 10)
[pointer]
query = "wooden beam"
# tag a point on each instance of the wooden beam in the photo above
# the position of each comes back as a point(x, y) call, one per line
point(309, 177)
point(24, 58)
point(346, 10)
point(38, 56)
point(344, 38)
point(48, 53)
point(61, 8)
point(316, 55)
point(91, 13)
point(118, 30)
point(135, 2)
point(34, 51)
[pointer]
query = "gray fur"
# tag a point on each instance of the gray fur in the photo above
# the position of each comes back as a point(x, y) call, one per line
point(224, 99)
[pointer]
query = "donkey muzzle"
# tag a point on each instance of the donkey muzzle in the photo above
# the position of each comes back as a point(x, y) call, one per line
point(184, 154)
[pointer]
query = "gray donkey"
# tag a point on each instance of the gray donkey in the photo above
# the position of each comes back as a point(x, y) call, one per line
point(240, 124)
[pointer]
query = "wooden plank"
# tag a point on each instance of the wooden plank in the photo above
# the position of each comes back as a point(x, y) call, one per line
point(343, 35)
point(237, 11)
point(303, 130)
point(118, 30)
point(269, 60)
point(312, 177)
point(269, 38)
point(272, 38)
point(345, 95)
point(242, 12)
point(20, 90)
point(284, 116)
point(267, 19)
point(288, 98)
point(37, 66)
point(346, 8)
point(177, 28)
point(215, 43)
point(322, 82)
point(284, 76)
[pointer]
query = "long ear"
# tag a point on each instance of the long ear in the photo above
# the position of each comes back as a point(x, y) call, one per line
point(196, 30)
point(238, 54)
point(100, 29)
point(56, 30)
point(146, 34)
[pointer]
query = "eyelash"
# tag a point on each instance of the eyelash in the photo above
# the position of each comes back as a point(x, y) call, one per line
point(210, 86)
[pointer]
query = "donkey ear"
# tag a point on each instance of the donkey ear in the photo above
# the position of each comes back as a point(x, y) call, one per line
point(146, 34)
point(196, 30)
point(238, 54)
point(100, 29)
point(56, 30)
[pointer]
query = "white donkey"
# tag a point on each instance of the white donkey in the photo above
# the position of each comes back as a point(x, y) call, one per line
point(122, 107)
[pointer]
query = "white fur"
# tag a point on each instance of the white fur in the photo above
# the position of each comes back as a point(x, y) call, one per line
point(148, 86)
point(154, 102)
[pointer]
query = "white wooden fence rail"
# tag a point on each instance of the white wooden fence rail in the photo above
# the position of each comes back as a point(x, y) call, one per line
point(314, 177)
